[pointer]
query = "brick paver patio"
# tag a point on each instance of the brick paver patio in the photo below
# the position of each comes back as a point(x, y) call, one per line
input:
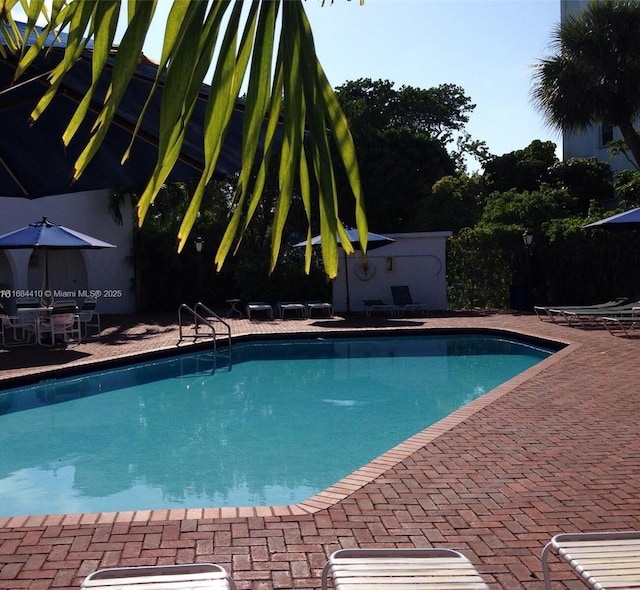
point(556, 449)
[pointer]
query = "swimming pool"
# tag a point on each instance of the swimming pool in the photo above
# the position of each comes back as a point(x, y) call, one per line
point(282, 421)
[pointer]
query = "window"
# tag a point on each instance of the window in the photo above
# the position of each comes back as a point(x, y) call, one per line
point(606, 134)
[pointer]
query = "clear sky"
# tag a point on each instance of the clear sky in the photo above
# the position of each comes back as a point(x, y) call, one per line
point(487, 47)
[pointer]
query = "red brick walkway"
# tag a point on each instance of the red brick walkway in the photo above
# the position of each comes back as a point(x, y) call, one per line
point(557, 449)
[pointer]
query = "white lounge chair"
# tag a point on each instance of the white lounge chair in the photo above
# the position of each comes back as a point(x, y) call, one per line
point(554, 312)
point(320, 306)
point(403, 569)
point(603, 561)
point(377, 305)
point(259, 306)
point(197, 576)
point(297, 309)
point(590, 317)
point(402, 298)
point(624, 324)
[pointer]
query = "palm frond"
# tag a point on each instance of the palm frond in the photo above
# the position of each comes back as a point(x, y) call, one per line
point(294, 117)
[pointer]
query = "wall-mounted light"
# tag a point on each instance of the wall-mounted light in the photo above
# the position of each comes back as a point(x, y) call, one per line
point(199, 242)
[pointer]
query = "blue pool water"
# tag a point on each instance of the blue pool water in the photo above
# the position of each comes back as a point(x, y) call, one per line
point(281, 422)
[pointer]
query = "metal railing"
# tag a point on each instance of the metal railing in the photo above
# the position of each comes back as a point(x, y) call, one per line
point(204, 320)
point(211, 315)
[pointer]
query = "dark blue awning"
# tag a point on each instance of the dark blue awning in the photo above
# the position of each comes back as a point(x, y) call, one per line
point(33, 161)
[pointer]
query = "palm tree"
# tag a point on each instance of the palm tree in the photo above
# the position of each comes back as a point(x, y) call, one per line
point(269, 44)
point(595, 75)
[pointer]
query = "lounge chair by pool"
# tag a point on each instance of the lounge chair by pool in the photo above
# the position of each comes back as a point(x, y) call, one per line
point(402, 298)
point(592, 316)
point(320, 306)
point(297, 309)
point(602, 560)
point(371, 569)
point(374, 305)
point(624, 324)
point(554, 312)
point(259, 306)
point(209, 576)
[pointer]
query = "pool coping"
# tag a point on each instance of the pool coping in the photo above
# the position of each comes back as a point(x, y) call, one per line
point(337, 491)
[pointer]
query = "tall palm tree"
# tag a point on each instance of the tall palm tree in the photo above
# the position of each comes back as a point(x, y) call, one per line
point(595, 75)
point(269, 44)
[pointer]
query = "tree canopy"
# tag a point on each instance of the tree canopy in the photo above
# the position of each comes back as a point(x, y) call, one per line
point(406, 141)
point(436, 112)
point(521, 169)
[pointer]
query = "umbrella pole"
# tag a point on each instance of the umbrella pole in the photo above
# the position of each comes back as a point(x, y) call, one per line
point(45, 299)
point(346, 278)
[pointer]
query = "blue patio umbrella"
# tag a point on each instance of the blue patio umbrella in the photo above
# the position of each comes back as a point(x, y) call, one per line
point(45, 235)
point(626, 220)
point(373, 241)
point(33, 161)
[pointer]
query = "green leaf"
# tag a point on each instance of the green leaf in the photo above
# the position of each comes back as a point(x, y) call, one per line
point(124, 66)
point(80, 17)
point(226, 84)
point(107, 19)
point(233, 226)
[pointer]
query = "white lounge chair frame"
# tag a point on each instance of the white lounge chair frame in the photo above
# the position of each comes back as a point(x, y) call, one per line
point(321, 306)
point(625, 324)
point(297, 309)
point(197, 576)
point(401, 295)
point(259, 306)
point(403, 569)
point(554, 312)
point(589, 317)
point(375, 305)
point(603, 561)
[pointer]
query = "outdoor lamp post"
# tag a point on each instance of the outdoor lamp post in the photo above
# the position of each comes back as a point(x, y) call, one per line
point(199, 242)
point(527, 239)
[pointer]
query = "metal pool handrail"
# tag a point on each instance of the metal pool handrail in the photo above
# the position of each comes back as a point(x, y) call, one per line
point(211, 314)
point(201, 320)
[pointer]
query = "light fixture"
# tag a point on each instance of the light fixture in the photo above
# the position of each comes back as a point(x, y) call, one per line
point(527, 238)
point(389, 263)
point(199, 243)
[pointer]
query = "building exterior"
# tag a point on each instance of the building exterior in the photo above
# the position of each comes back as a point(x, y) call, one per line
point(107, 274)
point(592, 142)
point(417, 260)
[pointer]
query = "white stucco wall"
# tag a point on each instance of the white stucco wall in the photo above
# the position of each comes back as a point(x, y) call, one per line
point(417, 260)
point(588, 144)
point(107, 272)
